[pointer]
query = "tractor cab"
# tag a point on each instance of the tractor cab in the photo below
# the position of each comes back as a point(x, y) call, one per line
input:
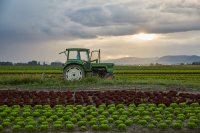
point(78, 54)
point(80, 62)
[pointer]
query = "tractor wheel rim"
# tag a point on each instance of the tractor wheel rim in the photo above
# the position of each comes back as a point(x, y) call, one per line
point(74, 73)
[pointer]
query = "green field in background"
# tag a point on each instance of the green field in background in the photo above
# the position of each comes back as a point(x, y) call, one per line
point(188, 81)
point(30, 69)
point(51, 69)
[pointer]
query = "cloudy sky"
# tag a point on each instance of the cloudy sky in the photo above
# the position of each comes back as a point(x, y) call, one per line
point(40, 29)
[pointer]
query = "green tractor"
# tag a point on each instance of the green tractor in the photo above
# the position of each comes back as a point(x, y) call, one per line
point(80, 63)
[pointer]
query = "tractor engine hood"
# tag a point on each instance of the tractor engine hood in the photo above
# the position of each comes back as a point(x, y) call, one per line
point(109, 65)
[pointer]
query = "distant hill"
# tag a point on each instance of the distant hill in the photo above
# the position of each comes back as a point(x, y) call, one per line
point(132, 61)
point(178, 59)
point(165, 60)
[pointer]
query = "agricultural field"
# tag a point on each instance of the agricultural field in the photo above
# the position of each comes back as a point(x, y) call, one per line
point(96, 66)
point(139, 99)
point(117, 69)
point(181, 77)
point(113, 111)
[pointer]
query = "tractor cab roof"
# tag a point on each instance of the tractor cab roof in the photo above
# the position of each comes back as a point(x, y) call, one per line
point(77, 49)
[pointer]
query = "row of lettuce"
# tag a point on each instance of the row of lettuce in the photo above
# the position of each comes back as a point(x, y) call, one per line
point(102, 118)
point(17, 97)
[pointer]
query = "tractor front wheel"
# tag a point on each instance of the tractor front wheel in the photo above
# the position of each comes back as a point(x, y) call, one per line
point(74, 72)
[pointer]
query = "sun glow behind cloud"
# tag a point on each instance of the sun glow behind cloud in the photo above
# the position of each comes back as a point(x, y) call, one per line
point(145, 37)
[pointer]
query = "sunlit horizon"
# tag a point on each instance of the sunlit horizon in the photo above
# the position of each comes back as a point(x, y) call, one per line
point(145, 36)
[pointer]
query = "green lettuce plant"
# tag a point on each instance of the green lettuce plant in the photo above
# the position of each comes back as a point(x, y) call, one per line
point(68, 122)
point(81, 123)
point(145, 112)
point(173, 105)
point(176, 125)
point(115, 113)
point(30, 128)
point(57, 126)
point(94, 113)
point(132, 105)
point(183, 105)
point(92, 122)
point(4, 113)
point(118, 106)
point(151, 126)
point(44, 127)
point(6, 124)
point(122, 127)
point(114, 116)
point(105, 113)
point(104, 122)
point(136, 119)
point(74, 120)
point(128, 122)
point(147, 118)
point(103, 127)
point(194, 105)
point(1, 127)
point(70, 127)
point(83, 128)
point(162, 125)
point(95, 127)
point(16, 128)
point(154, 122)
point(117, 122)
point(110, 120)
point(21, 123)
point(143, 122)
point(162, 105)
point(191, 125)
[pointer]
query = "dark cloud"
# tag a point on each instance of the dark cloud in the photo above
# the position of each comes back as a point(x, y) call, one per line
point(131, 17)
point(35, 22)
point(58, 19)
point(107, 15)
point(91, 16)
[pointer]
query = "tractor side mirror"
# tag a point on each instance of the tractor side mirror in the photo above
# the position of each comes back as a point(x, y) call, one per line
point(62, 52)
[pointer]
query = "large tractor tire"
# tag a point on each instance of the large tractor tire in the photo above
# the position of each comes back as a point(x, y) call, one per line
point(74, 72)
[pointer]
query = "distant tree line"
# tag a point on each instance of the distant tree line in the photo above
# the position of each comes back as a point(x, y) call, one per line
point(31, 63)
point(37, 63)
point(196, 63)
point(193, 63)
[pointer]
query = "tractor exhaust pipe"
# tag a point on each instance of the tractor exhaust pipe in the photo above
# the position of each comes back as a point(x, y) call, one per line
point(99, 57)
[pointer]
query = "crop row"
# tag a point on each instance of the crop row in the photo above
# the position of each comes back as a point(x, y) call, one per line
point(104, 117)
point(13, 97)
point(168, 68)
point(116, 73)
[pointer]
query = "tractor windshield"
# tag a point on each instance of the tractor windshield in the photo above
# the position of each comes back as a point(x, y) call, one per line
point(78, 55)
point(74, 55)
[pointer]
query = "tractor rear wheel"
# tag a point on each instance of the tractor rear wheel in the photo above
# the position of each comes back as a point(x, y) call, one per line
point(74, 72)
